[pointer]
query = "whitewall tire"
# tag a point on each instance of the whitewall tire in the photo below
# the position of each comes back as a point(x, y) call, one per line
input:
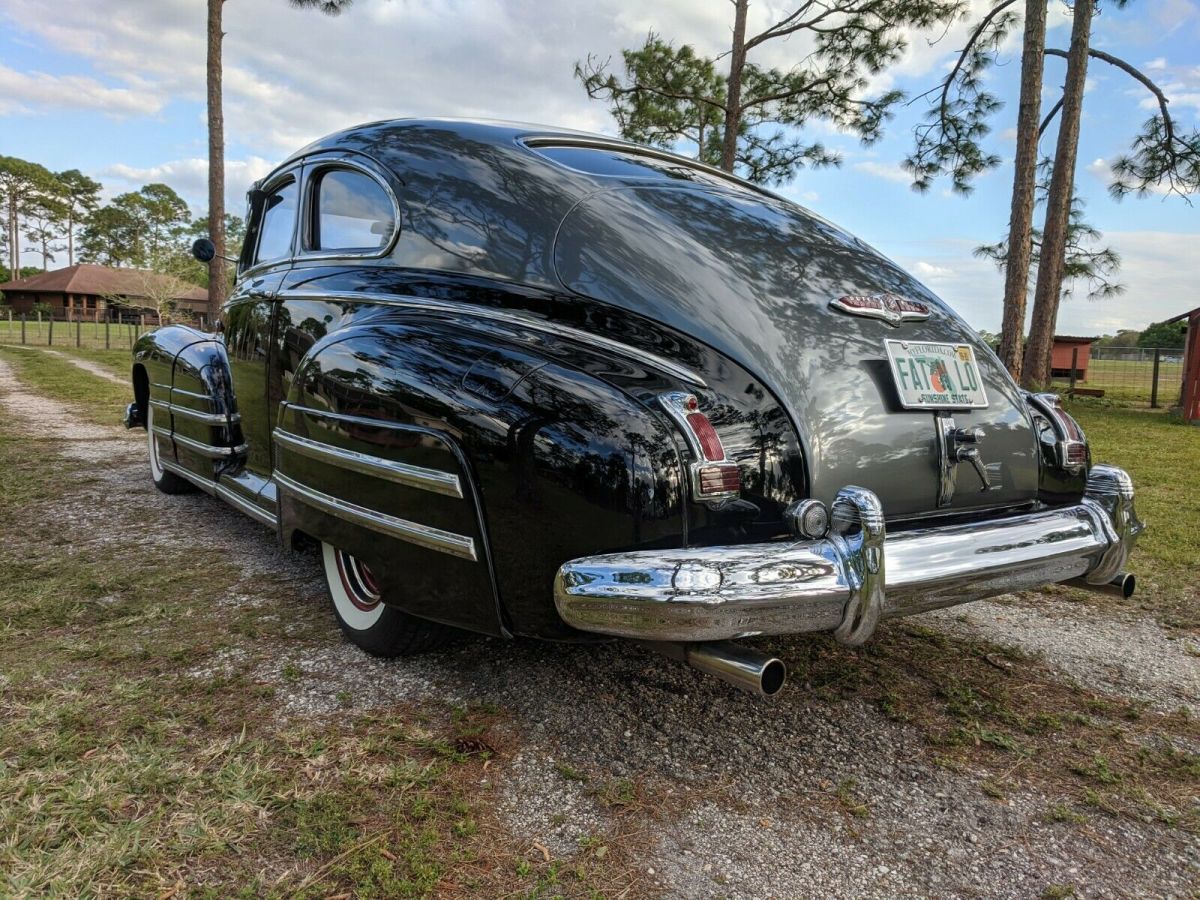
point(358, 603)
point(167, 482)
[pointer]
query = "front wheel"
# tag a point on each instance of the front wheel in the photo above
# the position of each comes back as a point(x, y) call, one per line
point(365, 619)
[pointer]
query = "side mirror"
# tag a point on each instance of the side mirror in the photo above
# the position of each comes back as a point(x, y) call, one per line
point(203, 250)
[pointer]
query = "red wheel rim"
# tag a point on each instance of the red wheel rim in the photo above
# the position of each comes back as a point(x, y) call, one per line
point(359, 582)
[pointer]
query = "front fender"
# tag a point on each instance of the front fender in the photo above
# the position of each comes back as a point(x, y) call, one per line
point(185, 375)
point(552, 462)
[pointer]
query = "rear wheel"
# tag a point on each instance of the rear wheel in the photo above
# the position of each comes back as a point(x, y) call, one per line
point(167, 482)
point(365, 619)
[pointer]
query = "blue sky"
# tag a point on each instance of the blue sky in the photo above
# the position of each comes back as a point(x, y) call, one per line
point(115, 88)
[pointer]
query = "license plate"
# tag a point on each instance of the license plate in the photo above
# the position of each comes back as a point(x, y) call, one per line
point(936, 376)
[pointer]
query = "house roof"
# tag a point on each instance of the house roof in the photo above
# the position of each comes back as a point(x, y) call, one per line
point(1071, 339)
point(101, 281)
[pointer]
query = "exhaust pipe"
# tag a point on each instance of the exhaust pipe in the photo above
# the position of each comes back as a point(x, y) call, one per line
point(1122, 586)
point(748, 670)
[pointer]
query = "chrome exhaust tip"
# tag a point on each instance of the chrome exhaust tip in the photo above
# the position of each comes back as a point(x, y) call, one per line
point(1122, 586)
point(747, 670)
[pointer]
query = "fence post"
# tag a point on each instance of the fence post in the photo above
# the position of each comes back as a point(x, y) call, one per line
point(39, 315)
point(1154, 380)
point(22, 328)
point(1074, 363)
point(50, 332)
point(107, 322)
point(130, 335)
point(79, 331)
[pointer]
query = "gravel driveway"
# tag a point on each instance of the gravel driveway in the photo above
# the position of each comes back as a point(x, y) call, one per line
point(707, 792)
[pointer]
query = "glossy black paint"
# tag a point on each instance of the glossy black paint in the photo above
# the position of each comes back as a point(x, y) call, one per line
point(558, 441)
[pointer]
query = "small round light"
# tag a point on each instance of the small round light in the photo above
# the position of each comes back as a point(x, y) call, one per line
point(692, 403)
point(808, 519)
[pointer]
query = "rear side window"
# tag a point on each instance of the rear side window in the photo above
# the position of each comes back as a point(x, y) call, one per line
point(352, 212)
point(278, 222)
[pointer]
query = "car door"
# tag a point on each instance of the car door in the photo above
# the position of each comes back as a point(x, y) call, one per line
point(249, 318)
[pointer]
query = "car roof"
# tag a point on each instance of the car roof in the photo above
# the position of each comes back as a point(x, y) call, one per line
point(495, 133)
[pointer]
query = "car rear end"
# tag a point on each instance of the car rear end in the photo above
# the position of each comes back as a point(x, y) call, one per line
point(926, 476)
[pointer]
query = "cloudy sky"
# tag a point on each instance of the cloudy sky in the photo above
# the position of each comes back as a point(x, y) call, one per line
point(116, 88)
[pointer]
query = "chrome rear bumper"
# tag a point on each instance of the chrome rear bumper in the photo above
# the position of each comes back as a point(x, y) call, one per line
point(849, 580)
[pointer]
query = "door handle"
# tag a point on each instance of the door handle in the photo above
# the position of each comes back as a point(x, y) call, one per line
point(261, 294)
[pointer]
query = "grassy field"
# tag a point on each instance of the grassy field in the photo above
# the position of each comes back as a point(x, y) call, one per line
point(1131, 381)
point(92, 335)
point(134, 761)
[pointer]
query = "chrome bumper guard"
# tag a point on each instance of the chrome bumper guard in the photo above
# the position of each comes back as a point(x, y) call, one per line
point(849, 580)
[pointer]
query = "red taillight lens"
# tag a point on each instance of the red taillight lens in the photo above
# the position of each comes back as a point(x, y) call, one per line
point(710, 443)
point(714, 477)
point(724, 479)
point(1076, 454)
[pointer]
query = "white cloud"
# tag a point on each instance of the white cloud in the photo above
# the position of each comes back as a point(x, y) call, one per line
point(1157, 64)
point(928, 271)
point(1156, 270)
point(189, 178)
point(30, 93)
point(886, 171)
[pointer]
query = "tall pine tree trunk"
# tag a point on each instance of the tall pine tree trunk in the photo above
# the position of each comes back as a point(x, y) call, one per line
point(216, 163)
point(1058, 204)
point(1020, 220)
point(733, 98)
point(70, 239)
point(14, 247)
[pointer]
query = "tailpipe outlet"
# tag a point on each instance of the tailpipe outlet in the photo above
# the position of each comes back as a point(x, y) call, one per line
point(746, 669)
point(1122, 586)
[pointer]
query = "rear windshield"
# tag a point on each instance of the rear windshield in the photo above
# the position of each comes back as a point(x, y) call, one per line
point(615, 163)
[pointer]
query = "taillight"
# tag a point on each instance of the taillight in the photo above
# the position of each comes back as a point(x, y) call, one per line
point(1071, 448)
point(710, 441)
point(713, 475)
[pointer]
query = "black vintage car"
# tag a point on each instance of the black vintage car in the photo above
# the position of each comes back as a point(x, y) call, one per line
point(522, 381)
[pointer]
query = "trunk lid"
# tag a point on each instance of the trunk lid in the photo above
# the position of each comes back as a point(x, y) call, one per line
point(753, 277)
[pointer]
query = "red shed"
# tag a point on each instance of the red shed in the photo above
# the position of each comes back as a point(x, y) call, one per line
point(1190, 403)
point(1064, 350)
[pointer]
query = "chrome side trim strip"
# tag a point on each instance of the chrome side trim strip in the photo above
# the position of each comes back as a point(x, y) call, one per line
point(246, 505)
point(422, 535)
point(207, 486)
point(187, 393)
point(217, 419)
point(434, 480)
point(198, 447)
point(511, 318)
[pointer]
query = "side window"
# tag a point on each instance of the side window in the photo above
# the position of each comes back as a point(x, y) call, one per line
point(278, 220)
point(351, 211)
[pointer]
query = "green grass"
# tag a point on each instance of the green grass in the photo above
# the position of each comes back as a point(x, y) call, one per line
point(141, 748)
point(1131, 381)
point(65, 334)
point(123, 774)
point(92, 398)
point(1163, 457)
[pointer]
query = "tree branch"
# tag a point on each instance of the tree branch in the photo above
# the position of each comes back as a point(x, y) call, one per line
point(1050, 116)
point(1137, 75)
point(962, 56)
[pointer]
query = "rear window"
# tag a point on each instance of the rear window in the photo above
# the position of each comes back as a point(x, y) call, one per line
point(614, 163)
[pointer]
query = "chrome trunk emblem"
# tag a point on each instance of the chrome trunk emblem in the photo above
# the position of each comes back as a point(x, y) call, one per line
point(891, 308)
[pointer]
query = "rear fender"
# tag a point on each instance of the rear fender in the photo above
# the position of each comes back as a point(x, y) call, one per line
point(551, 463)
